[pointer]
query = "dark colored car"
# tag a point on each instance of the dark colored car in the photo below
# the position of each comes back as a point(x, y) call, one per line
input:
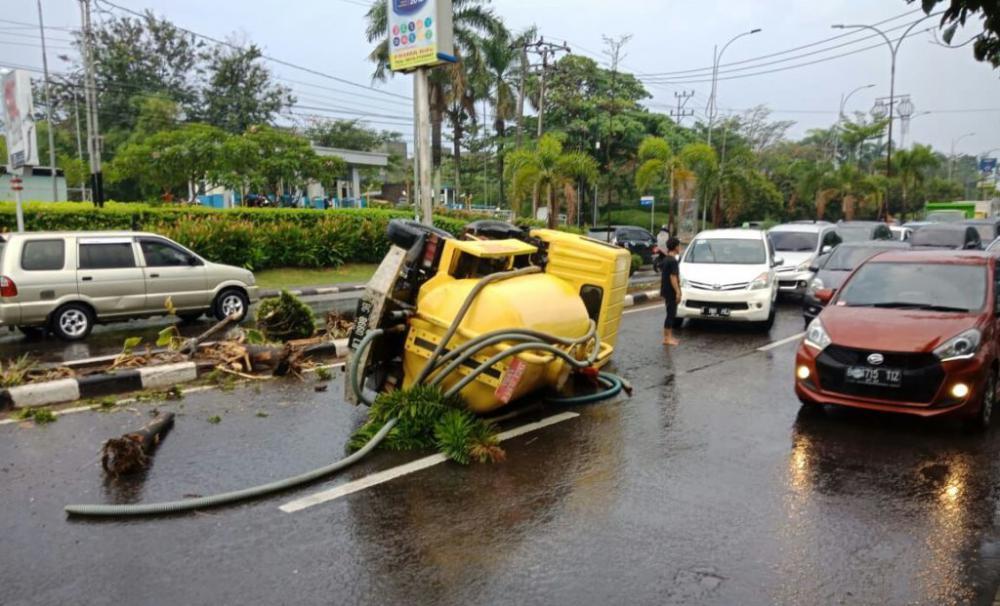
point(989, 229)
point(861, 231)
point(947, 236)
point(908, 332)
point(832, 269)
point(636, 239)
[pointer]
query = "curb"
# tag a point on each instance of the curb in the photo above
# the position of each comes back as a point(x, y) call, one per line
point(273, 293)
point(642, 297)
point(123, 381)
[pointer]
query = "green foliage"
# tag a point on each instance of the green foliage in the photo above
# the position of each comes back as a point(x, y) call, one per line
point(256, 238)
point(41, 416)
point(241, 91)
point(286, 318)
point(956, 12)
point(426, 419)
point(636, 263)
point(323, 374)
point(548, 171)
point(16, 371)
point(214, 419)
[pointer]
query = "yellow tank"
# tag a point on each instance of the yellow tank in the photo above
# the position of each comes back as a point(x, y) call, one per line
point(549, 302)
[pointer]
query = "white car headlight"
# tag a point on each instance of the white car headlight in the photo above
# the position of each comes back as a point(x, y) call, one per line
point(804, 266)
point(816, 336)
point(760, 282)
point(814, 285)
point(684, 283)
point(960, 347)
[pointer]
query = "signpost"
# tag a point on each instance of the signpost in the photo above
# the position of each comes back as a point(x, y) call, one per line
point(650, 201)
point(421, 35)
point(22, 142)
point(987, 165)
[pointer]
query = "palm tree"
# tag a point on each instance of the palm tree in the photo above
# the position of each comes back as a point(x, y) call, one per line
point(911, 167)
point(659, 164)
point(502, 67)
point(702, 161)
point(471, 18)
point(547, 168)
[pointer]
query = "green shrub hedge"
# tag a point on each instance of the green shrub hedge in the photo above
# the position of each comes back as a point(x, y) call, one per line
point(256, 238)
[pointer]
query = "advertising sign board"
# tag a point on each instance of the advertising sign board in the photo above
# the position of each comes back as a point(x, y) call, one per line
point(420, 33)
point(18, 117)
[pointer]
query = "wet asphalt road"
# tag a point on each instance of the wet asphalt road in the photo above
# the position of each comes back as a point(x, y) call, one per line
point(707, 487)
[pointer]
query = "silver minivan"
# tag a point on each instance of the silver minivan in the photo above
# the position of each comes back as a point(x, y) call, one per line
point(68, 281)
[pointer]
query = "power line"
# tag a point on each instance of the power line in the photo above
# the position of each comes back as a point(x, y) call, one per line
point(272, 59)
point(800, 56)
point(798, 65)
point(779, 53)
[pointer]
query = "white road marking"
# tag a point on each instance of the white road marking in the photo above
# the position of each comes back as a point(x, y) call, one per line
point(777, 344)
point(411, 467)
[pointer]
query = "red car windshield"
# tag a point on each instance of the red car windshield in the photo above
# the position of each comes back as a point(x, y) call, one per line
point(930, 286)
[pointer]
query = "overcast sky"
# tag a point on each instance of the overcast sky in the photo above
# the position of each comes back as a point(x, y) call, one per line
point(667, 36)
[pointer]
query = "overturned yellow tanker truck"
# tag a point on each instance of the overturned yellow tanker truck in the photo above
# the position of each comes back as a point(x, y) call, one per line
point(492, 317)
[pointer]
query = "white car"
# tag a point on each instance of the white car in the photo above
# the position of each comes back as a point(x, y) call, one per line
point(799, 244)
point(729, 275)
point(901, 232)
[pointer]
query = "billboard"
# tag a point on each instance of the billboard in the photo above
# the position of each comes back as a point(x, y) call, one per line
point(420, 33)
point(18, 118)
point(987, 165)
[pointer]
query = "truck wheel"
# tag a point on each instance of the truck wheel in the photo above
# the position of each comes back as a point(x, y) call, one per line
point(72, 322)
point(405, 232)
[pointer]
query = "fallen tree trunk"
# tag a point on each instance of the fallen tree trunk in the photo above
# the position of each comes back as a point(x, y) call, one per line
point(131, 452)
point(192, 345)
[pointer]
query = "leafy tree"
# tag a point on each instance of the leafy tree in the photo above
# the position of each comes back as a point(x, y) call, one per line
point(912, 166)
point(543, 171)
point(284, 160)
point(502, 67)
point(170, 159)
point(987, 44)
point(139, 57)
point(701, 159)
point(349, 134)
point(658, 166)
point(241, 91)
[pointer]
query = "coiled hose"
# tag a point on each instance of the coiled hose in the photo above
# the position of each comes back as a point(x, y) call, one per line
point(537, 341)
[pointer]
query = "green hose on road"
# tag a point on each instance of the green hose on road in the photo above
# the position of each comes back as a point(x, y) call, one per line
point(227, 498)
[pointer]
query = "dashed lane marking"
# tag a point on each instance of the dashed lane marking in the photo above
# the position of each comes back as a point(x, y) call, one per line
point(382, 477)
point(785, 341)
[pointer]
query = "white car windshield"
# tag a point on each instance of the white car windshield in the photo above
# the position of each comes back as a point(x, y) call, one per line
point(727, 252)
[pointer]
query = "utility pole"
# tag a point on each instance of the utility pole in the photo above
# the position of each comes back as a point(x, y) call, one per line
point(415, 188)
point(93, 127)
point(680, 113)
point(546, 51)
point(614, 52)
point(423, 109)
point(48, 107)
point(79, 143)
point(951, 157)
point(520, 95)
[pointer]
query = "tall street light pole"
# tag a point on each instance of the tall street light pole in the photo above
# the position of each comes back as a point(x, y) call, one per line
point(841, 117)
point(712, 105)
point(894, 50)
point(951, 158)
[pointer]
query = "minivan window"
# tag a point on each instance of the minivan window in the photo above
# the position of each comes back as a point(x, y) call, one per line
point(43, 255)
point(935, 236)
point(161, 254)
point(106, 255)
point(931, 286)
point(794, 241)
point(727, 251)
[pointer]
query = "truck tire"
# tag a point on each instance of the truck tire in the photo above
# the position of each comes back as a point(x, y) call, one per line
point(405, 232)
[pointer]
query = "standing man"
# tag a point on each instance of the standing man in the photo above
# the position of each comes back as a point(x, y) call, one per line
point(670, 289)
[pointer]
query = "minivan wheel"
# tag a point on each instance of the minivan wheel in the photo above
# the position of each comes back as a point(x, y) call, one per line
point(72, 322)
point(982, 420)
point(231, 302)
point(767, 324)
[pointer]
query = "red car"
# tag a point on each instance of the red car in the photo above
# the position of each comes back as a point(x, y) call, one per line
point(908, 332)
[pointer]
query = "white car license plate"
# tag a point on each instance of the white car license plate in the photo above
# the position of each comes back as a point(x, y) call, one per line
point(877, 377)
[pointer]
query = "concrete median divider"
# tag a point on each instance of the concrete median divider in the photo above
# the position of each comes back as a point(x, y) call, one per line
point(98, 385)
